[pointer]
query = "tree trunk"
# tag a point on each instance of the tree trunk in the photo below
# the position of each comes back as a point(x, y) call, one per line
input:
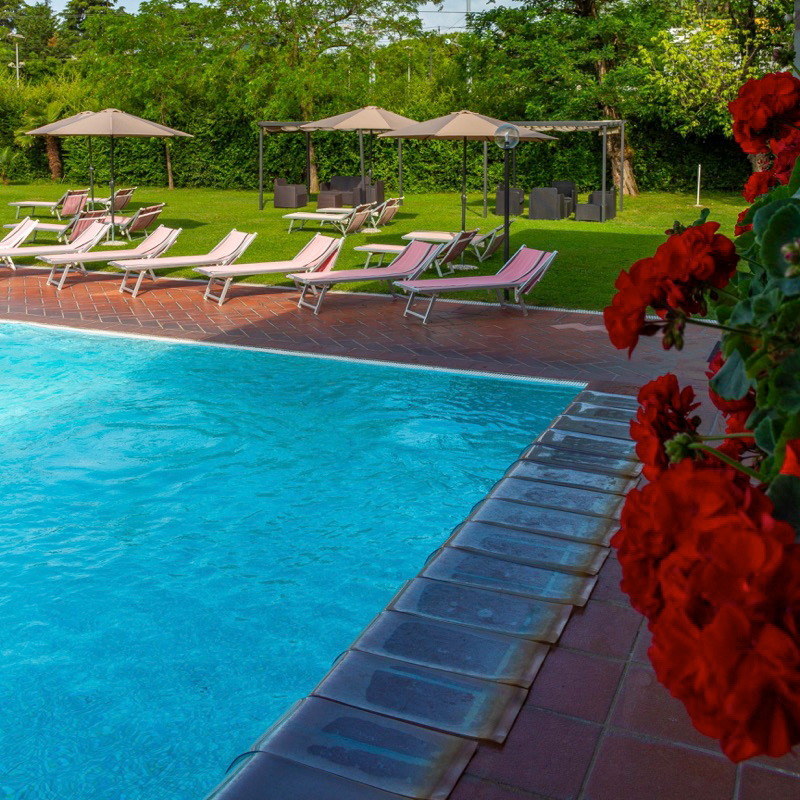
point(53, 157)
point(313, 178)
point(170, 182)
point(631, 187)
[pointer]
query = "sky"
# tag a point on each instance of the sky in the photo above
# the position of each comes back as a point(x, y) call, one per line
point(450, 17)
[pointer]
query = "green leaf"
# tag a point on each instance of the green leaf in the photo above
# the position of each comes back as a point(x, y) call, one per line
point(703, 217)
point(767, 434)
point(794, 181)
point(784, 382)
point(742, 313)
point(762, 217)
point(731, 382)
point(765, 305)
point(783, 227)
point(784, 491)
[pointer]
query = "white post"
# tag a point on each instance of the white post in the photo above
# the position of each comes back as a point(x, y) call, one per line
point(699, 175)
point(16, 59)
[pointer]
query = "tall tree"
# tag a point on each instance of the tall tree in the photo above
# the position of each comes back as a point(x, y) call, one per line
point(556, 57)
point(306, 36)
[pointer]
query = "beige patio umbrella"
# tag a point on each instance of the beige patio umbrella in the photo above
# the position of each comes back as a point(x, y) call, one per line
point(52, 128)
point(467, 126)
point(113, 124)
point(369, 119)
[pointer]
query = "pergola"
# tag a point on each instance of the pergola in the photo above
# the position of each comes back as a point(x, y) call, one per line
point(603, 127)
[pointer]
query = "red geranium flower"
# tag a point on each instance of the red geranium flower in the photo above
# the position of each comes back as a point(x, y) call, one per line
point(791, 461)
point(786, 151)
point(765, 108)
point(759, 183)
point(740, 227)
point(674, 279)
point(663, 413)
point(719, 579)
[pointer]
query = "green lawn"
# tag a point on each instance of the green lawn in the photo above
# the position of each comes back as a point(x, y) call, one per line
point(590, 254)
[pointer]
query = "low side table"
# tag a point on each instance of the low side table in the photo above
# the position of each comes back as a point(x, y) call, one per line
point(329, 199)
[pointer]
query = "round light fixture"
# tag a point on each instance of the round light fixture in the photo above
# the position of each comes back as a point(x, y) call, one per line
point(506, 137)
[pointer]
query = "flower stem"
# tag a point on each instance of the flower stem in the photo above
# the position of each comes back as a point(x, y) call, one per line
point(727, 459)
point(718, 325)
point(748, 435)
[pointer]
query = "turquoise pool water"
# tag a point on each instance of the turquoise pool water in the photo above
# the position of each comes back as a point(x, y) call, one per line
point(190, 535)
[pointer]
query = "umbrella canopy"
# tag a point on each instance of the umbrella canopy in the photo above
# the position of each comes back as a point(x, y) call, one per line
point(369, 119)
point(113, 123)
point(462, 125)
point(52, 130)
point(467, 126)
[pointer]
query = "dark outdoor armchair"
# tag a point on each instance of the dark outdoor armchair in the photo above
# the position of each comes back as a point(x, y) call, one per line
point(290, 195)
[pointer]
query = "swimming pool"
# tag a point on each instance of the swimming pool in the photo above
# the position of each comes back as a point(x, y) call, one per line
point(190, 535)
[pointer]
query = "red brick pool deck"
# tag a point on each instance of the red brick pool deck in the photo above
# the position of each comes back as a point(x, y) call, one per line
point(596, 725)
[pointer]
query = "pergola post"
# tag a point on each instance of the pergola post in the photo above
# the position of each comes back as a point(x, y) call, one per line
point(621, 162)
point(260, 168)
point(603, 180)
point(400, 169)
point(485, 179)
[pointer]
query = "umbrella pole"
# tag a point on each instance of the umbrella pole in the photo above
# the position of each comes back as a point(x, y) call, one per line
point(464, 187)
point(91, 171)
point(361, 156)
point(485, 179)
point(371, 143)
point(111, 166)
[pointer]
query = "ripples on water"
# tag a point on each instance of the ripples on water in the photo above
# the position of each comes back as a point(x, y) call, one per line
point(189, 536)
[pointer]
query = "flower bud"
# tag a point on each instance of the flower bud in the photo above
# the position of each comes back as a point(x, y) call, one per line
point(678, 448)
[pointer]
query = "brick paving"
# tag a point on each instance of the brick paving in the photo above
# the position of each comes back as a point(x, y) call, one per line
point(547, 344)
point(596, 725)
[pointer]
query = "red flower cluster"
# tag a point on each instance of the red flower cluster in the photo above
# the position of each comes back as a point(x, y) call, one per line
point(674, 279)
point(719, 580)
point(740, 227)
point(759, 183)
point(765, 108)
point(786, 151)
point(663, 413)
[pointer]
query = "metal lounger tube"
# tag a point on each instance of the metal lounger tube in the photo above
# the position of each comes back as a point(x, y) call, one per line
point(409, 310)
point(65, 268)
point(135, 290)
point(220, 298)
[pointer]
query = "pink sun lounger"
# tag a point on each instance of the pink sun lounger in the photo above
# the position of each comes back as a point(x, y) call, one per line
point(318, 255)
point(410, 264)
point(86, 241)
point(519, 274)
point(158, 242)
point(229, 248)
point(19, 233)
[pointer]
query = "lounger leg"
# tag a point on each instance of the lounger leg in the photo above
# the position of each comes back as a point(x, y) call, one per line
point(138, 286)
point(302, 302)
point(521, 301)
point(224, 291)
point(423, 317)
point(63, 277)
point(369, 258)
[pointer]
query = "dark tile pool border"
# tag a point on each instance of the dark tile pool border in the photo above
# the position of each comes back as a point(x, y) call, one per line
point(450, 666)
